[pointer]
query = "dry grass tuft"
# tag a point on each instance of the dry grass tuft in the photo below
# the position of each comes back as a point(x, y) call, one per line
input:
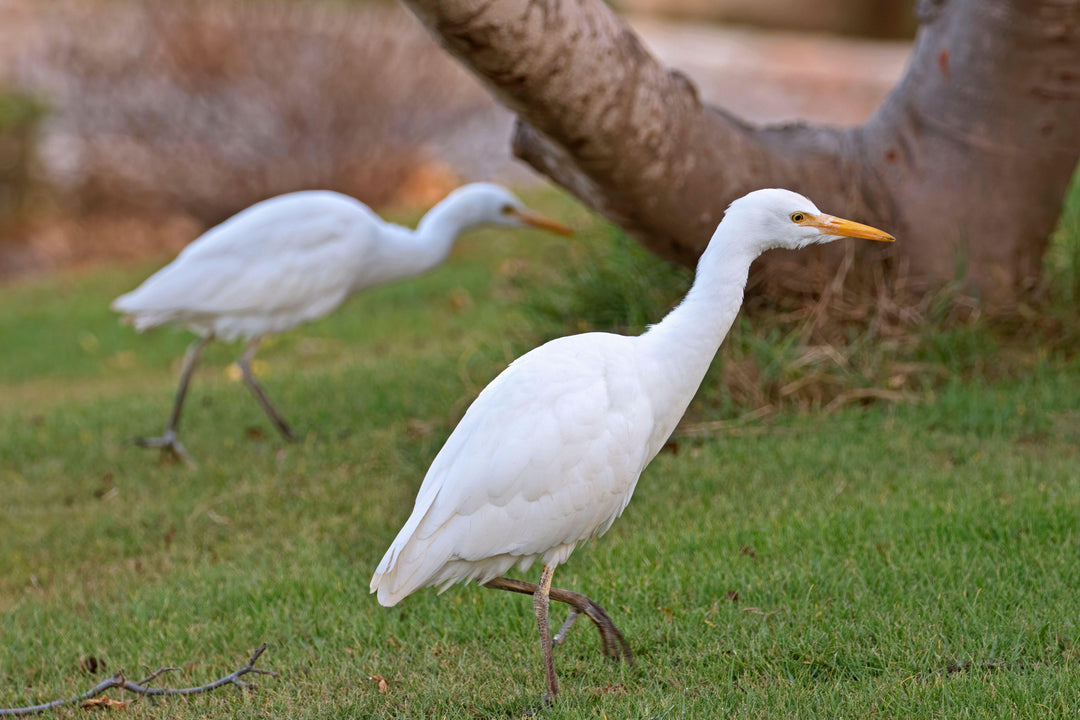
point(845, 338)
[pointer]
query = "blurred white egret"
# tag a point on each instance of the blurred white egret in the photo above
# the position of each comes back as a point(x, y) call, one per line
point(549, 453)
point(294, 258)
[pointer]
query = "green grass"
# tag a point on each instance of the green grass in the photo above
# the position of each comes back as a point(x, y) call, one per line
point(1063, 260)
point(899, 560)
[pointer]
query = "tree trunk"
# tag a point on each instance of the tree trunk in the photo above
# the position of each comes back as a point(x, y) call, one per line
point(967, 162)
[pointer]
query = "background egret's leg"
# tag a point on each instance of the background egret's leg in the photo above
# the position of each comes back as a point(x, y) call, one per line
point(249, 377)
point(612, 641)
point(168, 442)
point(540, 607)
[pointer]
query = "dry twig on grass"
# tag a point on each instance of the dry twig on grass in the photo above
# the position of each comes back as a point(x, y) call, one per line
point(856, 394)
point(90, 697)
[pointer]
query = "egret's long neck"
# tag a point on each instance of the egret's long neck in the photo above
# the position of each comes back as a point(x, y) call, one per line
point(685, 342)
point(441, 226)
point(405, 253)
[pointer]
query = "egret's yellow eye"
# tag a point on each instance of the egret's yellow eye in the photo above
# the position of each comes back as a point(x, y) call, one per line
point(508, 210)
point(798, 217)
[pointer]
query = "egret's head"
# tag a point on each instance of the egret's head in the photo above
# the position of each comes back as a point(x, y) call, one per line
point(775, 218)
point(490, 203)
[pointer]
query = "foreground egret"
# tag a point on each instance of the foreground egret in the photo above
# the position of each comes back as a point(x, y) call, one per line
point(294, 258)
point(549, 453)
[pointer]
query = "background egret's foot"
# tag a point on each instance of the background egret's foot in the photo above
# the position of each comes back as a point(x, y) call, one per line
point(170, 446)
point(287, 432)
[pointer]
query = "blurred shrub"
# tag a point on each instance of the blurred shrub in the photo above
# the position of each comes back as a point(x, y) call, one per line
point(614, 284)
point(20, 117)
point(206, 106)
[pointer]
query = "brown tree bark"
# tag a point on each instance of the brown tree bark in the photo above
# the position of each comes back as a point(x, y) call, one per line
point(967, 162)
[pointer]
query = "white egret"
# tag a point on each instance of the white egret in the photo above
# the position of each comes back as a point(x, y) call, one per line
point(549, 453)
point(294, 258)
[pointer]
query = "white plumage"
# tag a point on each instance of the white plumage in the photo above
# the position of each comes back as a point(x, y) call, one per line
point(545, 458)
point(550, 452)
point(269, 268)
point(294, 258)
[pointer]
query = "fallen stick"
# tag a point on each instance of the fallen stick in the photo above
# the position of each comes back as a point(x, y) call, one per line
point(140, 688)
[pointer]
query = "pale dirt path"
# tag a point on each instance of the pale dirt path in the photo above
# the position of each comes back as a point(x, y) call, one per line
point(769, 76)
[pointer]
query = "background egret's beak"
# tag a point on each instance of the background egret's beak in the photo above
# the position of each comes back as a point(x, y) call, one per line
point(537, 220)
point(831, 225)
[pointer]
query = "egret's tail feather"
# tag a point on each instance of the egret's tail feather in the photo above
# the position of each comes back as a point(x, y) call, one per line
point(141, 318)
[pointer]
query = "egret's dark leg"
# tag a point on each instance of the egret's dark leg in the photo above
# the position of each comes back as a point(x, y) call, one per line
point(249, 377)
point(168, 442)
point(540, 607)
point(611, 639)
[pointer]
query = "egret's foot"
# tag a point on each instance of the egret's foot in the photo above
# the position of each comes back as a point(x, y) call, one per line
point(287, 432)
point(257, 434)
point(170, 445)
point(611, 640)
point(535, 710)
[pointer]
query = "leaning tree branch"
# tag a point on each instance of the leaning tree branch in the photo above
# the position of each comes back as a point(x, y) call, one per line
point(967, 161)
point(599, 114)
point(141, 688)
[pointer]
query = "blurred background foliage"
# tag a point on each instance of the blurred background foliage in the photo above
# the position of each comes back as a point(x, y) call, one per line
point(20, 119)
point(165, 118)
point(128, 127)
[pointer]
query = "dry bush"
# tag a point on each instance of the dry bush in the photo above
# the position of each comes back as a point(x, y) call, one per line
point(204, 107)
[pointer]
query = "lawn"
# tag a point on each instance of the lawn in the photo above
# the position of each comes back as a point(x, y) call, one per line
point(904, 560)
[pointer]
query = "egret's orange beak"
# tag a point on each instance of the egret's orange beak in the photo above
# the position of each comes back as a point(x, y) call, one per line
point(832, 225)
point(537, 220)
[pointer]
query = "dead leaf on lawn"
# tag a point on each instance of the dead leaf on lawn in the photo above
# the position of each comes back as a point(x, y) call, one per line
point(419, 429)
point(108, 490)
point(460, 300)
point(105, 702)
point(218, 519)
point(383, 684)
point(759, 611)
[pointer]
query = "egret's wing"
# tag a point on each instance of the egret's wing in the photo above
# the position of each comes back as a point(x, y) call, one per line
point(300, 253)
point(290, 222)
point(547, 456)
